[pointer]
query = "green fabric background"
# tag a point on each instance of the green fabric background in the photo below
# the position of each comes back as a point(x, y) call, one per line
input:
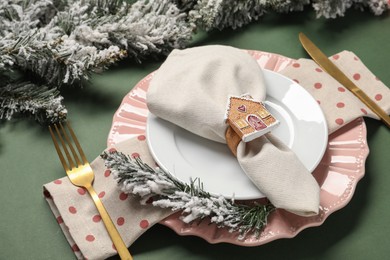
point(28, 229)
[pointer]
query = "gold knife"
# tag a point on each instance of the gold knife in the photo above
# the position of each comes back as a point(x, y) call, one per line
point(322, 60)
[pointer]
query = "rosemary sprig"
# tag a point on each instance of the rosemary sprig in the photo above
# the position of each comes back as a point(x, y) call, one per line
point(136, 177)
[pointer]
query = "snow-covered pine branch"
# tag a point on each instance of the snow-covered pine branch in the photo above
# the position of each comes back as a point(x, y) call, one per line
point(137, 178)
point(58, 43)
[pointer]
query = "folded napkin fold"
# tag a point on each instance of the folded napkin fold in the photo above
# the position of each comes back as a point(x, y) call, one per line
point(79, 219)
point(191, 90)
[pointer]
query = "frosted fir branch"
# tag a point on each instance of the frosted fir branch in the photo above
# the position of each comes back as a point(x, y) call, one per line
point(332, 8)
point(335, 8)
point(81, 33)
point(378, 6)
point(88, 36)
point(57, 43)
point(30, 100)
point(137, 178)
point(220, 14)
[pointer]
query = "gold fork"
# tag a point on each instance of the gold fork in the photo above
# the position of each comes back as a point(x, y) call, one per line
point(80, 174)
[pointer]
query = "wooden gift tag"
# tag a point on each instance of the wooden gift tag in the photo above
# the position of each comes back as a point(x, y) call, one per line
point(248, 118)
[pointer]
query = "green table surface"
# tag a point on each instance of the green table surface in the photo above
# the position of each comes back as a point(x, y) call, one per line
point(28, 160)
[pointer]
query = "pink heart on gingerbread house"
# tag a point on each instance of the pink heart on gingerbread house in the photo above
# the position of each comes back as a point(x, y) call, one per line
point(242, 108)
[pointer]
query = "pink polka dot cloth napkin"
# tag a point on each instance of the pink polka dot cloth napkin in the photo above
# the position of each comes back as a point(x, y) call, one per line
point(339, 105)
point(79, 219)
point(76, 213)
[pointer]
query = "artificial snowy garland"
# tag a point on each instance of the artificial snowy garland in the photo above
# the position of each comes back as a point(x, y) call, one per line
point(49, 44)
point(220, 14)
point(46, 45)
point(137, 178)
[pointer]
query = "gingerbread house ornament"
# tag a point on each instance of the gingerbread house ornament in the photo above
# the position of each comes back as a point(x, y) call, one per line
point(249, 118)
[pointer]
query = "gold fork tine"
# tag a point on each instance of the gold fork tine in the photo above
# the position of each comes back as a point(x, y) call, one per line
point(82, 175)
point(64, 145)
point(75, 155)
point(81, 152)
point(58, 149)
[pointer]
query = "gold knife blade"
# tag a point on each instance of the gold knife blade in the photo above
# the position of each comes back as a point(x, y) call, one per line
point(323, 61)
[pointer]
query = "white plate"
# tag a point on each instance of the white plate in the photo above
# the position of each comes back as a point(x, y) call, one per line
point(187, 156)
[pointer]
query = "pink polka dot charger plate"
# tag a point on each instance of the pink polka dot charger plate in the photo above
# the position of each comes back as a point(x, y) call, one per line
point(338, 173)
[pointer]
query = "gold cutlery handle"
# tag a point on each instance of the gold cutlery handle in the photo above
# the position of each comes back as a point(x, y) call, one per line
point(112, 231)
point(373, 106)
point(323, 61)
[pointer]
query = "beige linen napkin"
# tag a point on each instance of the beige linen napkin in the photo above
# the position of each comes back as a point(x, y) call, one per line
point(79, 219)
point(191, 89)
